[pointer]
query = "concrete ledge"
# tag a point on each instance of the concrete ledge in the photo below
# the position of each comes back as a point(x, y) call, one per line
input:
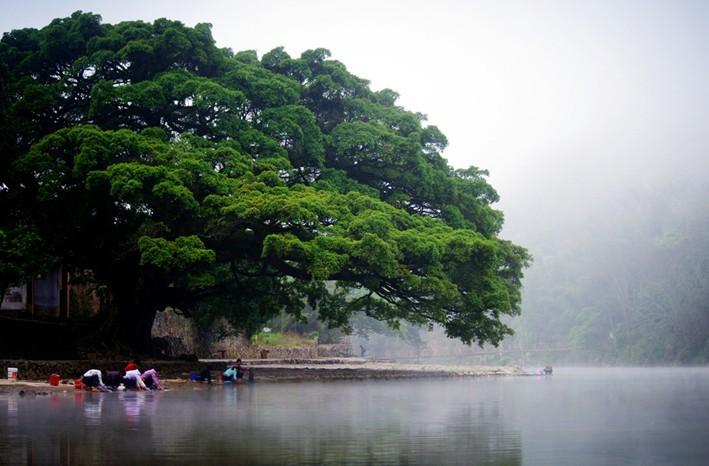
point(264, 370)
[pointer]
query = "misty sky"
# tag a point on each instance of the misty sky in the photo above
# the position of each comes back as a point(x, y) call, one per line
point(570, 105)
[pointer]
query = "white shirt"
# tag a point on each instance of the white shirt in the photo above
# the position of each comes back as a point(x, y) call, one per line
point(92, 372)
point(134, 374)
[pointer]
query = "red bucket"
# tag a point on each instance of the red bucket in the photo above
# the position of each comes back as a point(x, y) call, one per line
point(54, 379)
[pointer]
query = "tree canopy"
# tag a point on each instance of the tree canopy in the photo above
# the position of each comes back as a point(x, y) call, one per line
point(183, 175)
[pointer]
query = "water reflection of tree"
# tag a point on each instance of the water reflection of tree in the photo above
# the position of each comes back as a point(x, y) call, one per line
point(336, 423)
point(345, 423)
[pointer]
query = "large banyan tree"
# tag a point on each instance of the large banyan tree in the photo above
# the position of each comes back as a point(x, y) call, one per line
point(187, 176)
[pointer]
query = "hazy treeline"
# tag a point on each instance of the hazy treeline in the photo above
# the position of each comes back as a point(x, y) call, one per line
point(628, 282)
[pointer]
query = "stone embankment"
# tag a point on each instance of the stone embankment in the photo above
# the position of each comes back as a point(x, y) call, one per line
point(265, 370)
point(374, 371)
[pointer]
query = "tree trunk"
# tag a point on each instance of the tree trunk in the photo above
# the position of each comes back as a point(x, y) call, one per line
point(134, 326)
point(131, 312)
point(126, 329)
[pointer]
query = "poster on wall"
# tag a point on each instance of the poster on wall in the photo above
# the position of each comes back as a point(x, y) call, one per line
point(14, 298)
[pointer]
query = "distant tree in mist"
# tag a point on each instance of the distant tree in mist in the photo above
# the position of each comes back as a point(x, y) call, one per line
point(632, 287)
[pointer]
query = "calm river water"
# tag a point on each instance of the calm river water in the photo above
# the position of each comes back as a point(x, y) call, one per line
point(575, 417)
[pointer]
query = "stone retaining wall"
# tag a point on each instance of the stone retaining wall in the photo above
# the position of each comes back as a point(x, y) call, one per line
point(73, 369)
point(339, 350)
point(294, 370)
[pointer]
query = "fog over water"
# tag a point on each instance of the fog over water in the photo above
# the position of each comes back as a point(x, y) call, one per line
point(590, 116)
point(578, 416)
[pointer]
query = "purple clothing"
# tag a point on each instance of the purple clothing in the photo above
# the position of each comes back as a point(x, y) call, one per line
point(151, 374)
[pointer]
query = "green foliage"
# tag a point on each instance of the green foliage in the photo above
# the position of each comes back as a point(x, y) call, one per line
point(21, 256)
point(223, 185)
point(278, 339)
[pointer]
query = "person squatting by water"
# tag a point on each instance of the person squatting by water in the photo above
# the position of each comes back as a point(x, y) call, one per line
point(204, 375)
point(92, 379)
point(234, 373)
point(146, 381)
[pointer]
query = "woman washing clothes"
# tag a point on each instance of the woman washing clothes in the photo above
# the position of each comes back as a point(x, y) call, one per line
point(146, 381)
